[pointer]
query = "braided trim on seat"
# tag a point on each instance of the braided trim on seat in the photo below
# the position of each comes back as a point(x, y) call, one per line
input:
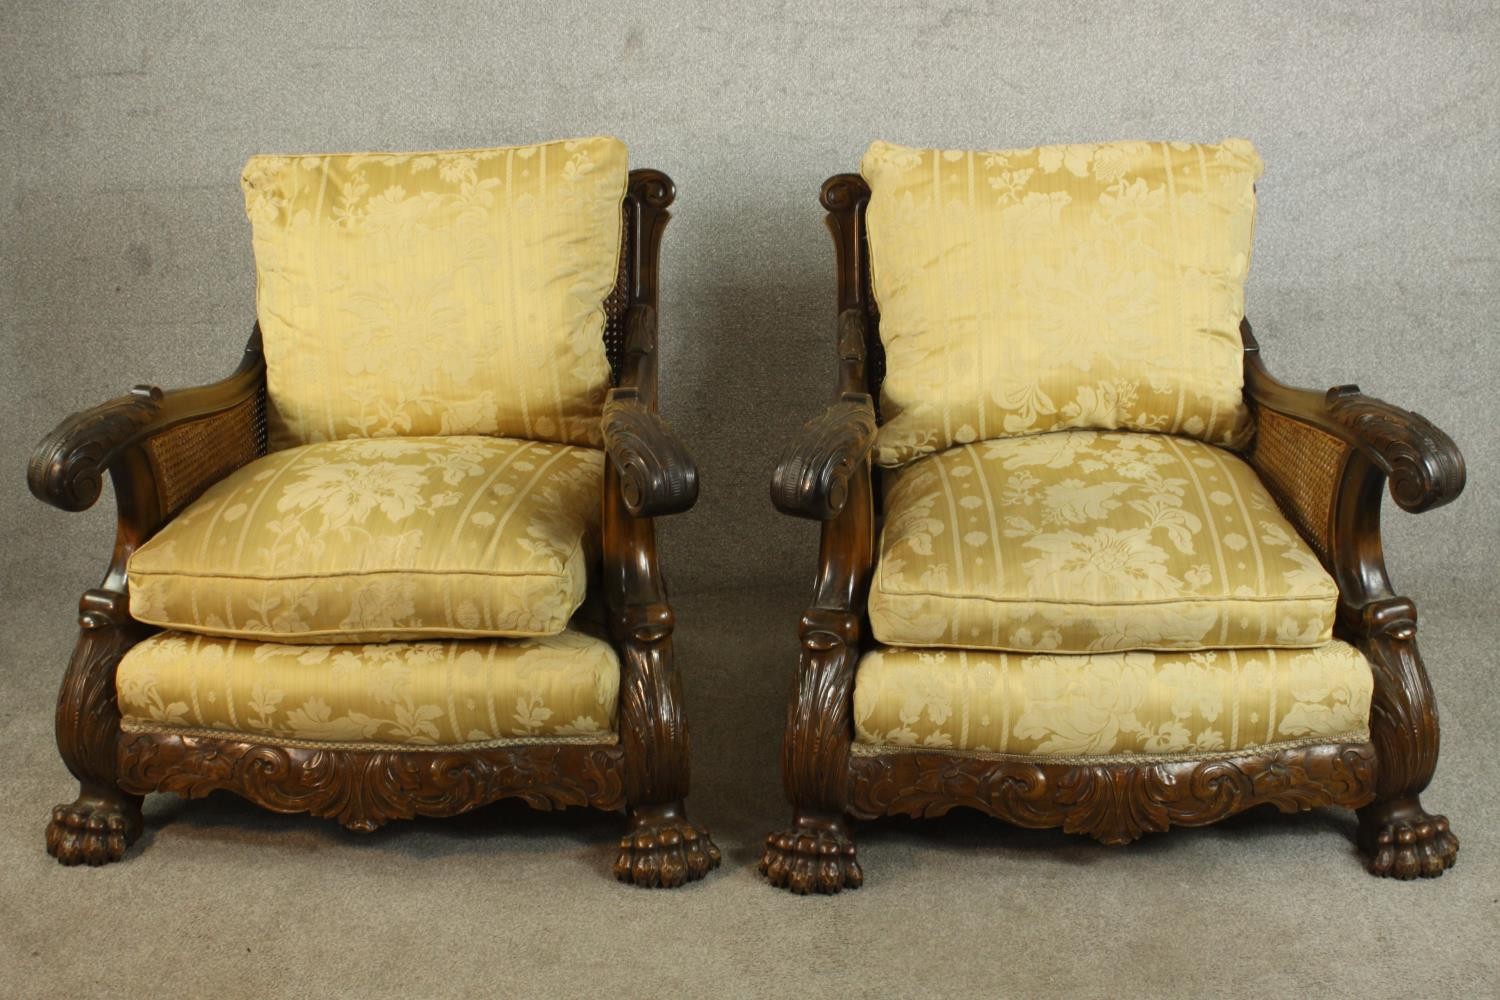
point(260, 739)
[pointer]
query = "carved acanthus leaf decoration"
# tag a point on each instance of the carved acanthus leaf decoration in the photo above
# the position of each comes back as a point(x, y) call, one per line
point(364, 790)
point(1113, 803)
point(1425, 467)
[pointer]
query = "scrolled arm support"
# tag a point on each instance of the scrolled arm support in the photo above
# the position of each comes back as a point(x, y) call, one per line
point(1423, 465)
point(657, 476)
point(68, 466)
point(812, 479)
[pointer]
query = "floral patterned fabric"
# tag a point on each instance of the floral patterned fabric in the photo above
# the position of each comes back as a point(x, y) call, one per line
point(411, 694)
point(1091, 286)
point(1111, 704)
point(1086, 541)
point(380, 538)
point(456, 292)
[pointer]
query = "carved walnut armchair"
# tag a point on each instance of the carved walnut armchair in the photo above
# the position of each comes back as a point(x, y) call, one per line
point(1064, 626)
point(345, 577)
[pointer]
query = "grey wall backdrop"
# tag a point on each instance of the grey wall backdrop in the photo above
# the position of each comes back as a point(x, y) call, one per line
point(127, 254)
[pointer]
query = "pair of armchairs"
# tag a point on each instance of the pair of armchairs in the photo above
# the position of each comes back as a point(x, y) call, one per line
point(1084, 563)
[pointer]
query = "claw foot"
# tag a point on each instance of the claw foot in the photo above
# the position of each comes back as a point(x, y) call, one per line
point(93, 831)
point(1404, 841)
point(664, 849)
point(812, 857)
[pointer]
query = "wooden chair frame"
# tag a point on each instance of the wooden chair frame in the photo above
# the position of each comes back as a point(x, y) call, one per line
point(1326, 457)
point(162, 449)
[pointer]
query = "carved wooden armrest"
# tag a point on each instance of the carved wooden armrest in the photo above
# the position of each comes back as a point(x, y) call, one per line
point(813, 477)
point(162, 448)
point(657, 476)
point(1327, 456)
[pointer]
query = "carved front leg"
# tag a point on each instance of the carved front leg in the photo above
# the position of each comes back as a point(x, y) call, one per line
point(817, 854)
point(1400, 838)
point(662, 847)
point(103, 821)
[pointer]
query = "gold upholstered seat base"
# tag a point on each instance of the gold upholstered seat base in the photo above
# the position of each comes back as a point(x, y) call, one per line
point(459, 694)
point(1131, 705)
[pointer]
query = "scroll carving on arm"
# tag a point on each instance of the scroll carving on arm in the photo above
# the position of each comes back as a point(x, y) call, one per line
point(812, 479)
point(657, 476)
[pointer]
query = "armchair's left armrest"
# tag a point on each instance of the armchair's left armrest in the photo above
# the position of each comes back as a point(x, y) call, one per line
point(189, 437)
point(812, 479)
point(657, 476)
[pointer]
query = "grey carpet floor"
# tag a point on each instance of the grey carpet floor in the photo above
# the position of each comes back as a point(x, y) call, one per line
point(222, 900)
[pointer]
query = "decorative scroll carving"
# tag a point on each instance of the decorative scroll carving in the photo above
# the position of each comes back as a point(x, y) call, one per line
point(653, 188)
point(657, 476)
point(68, 465)
point(1425, 467)
point(812, 478)
point(1113, 803)
point(364, 790)
point(843, 192)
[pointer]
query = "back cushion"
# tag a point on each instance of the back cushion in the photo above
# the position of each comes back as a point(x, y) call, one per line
point(456, 292)
point(1091, 286)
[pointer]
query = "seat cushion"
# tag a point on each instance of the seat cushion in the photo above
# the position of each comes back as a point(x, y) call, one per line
point(1110, 704)
point(1094, 286)
point(1086, 541)
point(559, 688)
point(375, 539)
point(453, 292)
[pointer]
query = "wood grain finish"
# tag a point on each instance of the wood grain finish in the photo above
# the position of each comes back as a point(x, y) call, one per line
point(657, 476)
point(364, 790)
point(1361, 445)
point(815, 852)
point(648, 473)
point(1387, 448)
point(1113, 803)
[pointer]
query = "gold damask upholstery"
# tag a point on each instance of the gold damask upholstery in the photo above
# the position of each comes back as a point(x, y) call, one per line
point(1088, 541)
point(380, 538)
point(1190, 704)
point(455, 292)
point(560, 688)
point(1088, 286)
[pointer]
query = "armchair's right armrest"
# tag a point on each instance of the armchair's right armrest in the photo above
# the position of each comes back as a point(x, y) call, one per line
point(657, 475)
point(1424, 466)
point(812, 479)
